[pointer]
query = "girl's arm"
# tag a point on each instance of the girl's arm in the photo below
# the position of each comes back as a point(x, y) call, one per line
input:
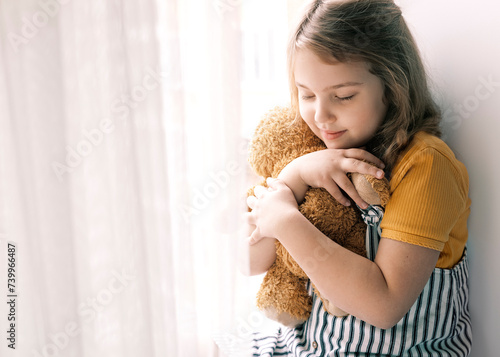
point(327, 168)
point(384, 290)
point(299, 175)
point(258, 257)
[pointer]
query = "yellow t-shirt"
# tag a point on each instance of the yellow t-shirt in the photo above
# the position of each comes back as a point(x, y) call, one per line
point(429, 203)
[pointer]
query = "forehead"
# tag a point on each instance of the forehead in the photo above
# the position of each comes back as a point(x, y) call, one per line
point(313, 72)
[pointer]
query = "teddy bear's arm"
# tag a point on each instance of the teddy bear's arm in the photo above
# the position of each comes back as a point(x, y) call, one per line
point(373, 191)
point(365, 190)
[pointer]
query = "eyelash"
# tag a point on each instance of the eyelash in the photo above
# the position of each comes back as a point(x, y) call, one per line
point(347, 98)
point(307, 97)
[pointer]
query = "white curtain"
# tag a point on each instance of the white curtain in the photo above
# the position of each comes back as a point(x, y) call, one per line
point(123, 127)
point(122, 178)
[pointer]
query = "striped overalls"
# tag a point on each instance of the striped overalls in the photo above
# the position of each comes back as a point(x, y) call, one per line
point(438, 323)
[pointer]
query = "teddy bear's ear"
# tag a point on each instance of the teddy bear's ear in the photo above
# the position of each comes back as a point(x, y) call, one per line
point(263, 147)
point(279, 137)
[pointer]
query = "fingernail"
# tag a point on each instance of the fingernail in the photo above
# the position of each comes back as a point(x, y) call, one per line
point(380, 173)
point(347, 203)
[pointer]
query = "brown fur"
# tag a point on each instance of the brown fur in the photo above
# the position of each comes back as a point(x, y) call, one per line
point(277, 141)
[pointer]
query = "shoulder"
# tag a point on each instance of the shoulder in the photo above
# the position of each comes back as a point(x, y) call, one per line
point(429, 195)
point(430, 157)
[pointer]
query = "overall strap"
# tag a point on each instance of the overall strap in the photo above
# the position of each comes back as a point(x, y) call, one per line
point(372, 216)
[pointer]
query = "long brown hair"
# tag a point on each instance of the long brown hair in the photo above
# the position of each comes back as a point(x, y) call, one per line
point(373, 31)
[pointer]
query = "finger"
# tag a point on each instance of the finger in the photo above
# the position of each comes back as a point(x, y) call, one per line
point(250, 229)
point(276, 184)
point(255, 237)
point(368, 169)
point(270, 181)
point(355, 165)
point(249, 217)
point(351, 191)
point(259, 191)
point(251, 200)
point(361, 154)
point(334, 190)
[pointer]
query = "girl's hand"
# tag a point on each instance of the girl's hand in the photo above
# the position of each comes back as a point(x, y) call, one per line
point(328, 169)
point(270, 208)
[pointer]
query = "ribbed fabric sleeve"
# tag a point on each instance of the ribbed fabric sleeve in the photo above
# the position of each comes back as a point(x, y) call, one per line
point(429, 203)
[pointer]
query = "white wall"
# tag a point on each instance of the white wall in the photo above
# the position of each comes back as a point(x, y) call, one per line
point(460, 41)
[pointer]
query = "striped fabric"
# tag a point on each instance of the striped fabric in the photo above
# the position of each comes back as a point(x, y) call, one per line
point(438, 324)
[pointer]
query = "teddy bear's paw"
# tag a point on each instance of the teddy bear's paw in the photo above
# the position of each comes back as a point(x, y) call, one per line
point(283, 318)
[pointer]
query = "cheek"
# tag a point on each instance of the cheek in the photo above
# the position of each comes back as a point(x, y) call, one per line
point(379, 111)
point(371, 114)
point(355, 115)
point(361, 120)
point(306, 112)
point(307, 115)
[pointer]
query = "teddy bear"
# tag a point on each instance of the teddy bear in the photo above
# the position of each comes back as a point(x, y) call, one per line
point(278, 140)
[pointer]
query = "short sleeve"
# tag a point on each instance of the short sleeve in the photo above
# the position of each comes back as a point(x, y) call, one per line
point(428, 196)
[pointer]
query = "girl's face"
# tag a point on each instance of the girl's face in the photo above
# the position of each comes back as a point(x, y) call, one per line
point(342, 103)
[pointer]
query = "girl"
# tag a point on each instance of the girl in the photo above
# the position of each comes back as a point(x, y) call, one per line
point(357, 80)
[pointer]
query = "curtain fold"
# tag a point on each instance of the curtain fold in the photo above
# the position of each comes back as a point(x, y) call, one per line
point(206, 156)
point(122, 175)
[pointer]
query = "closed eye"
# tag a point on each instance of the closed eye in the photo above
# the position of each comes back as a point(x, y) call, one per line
point(307, 97)
point(346, 98)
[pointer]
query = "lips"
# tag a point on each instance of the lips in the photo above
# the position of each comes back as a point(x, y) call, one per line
point(332, 135)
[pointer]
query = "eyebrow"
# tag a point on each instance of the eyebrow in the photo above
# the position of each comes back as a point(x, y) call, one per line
point(336, 86)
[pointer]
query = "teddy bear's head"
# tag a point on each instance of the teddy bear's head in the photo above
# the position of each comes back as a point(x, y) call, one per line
point(278, 140)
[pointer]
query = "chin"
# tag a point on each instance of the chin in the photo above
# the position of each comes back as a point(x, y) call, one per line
point(336, 146)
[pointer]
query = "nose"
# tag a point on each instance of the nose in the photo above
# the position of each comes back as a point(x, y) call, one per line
point(324, 113)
